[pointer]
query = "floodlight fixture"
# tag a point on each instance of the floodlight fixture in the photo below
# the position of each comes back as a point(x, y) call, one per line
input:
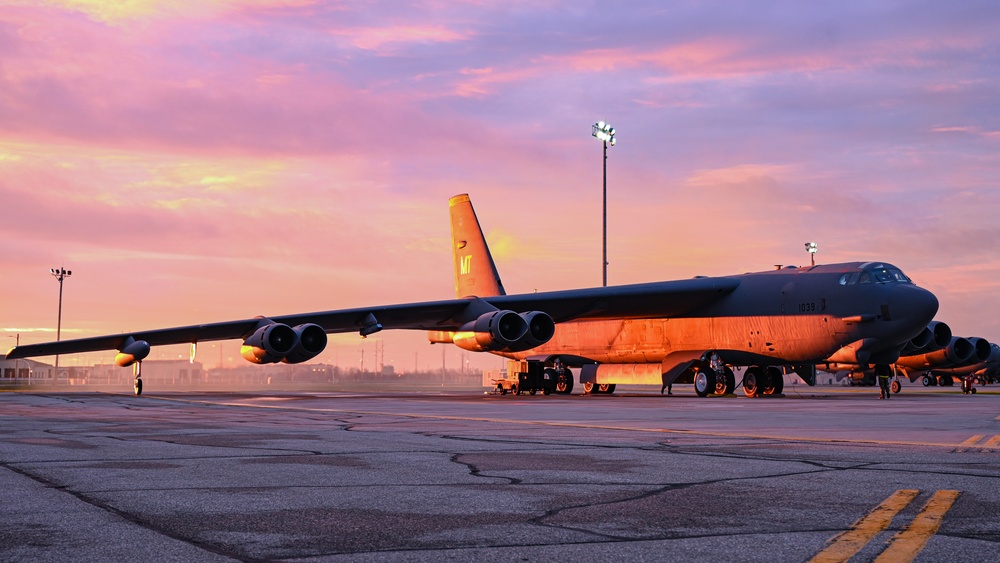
point(812, 248)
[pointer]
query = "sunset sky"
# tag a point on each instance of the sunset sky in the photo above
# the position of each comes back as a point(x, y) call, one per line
point(197, 161)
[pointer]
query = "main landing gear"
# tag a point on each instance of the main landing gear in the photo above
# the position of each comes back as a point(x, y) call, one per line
point(598, 388)
point(763, 380)
point(137, 370)
point(709, 381)
point(564, 380)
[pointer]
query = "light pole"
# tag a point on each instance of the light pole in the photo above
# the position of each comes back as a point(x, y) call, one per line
point(60, 274)
point(605, 133)
point(17, 342)
point(811, 248)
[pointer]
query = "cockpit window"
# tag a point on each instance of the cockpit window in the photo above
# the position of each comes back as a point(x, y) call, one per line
point(888, 274)
point(865, 278)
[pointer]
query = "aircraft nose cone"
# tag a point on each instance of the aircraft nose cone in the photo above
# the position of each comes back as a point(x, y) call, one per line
point(913, 304)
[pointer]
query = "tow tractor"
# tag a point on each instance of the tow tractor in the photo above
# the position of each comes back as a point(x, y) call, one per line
point(520, 376)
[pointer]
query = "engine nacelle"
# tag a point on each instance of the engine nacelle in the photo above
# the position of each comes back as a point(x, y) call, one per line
point(982, 349)
point(133, 351)
point(491, 332)
point(935, 336)
point(269, 344)
point(958, 351)
point(311, 341)
point(541, 329)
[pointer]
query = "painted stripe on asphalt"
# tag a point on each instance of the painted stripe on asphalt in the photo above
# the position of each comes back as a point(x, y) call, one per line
point(971, 441)
point(993, 442)
point(907, 544)
point(843, 546)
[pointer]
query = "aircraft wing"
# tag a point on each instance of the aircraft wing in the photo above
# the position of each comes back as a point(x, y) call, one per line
point(651, 300)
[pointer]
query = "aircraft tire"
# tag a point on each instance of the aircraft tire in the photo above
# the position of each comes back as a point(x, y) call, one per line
point(725, 382)
point(564, 381)
point(704, 382)
point(926, 381)
point(750, 381)
point(768, 381)
point(606, 388)
point(776, 381)
point(588, 388)
point(515, 389)
point(895, 387)
point(531, 391)
point(138, 387)
point(946, 381)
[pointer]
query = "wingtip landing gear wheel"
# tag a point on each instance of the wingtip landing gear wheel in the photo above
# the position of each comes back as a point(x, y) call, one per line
point(895, 387)
point(137, 371)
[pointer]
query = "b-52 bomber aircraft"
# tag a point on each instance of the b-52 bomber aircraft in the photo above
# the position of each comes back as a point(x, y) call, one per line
point(690, 330)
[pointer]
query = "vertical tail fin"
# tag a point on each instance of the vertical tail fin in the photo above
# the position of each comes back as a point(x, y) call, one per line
point(475, 273)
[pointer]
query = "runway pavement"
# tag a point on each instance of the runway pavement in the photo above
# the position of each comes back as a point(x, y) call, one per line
point(821, 474)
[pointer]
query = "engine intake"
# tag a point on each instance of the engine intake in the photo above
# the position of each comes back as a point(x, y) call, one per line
point(270, 343)
point(311, 341)
point(491, 332)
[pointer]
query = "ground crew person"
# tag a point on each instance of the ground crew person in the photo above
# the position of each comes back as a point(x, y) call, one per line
point(882, 372)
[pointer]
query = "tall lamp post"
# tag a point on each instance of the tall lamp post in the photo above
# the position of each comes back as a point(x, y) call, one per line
point(811, 248)
point(605, 133)
point(60, 274)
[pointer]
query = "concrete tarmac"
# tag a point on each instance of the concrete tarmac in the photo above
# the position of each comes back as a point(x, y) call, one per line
point(820, 474)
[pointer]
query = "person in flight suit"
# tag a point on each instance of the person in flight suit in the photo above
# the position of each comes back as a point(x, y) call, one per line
point(882, 372)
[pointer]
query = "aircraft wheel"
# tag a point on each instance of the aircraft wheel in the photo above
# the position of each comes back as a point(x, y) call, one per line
point(515, 389)
point(750, 381)
point(588, 388)
point(926, 381)
point(606, 388)
point(895, 387)
point(704, 382)
point(946, 381)
point(546, 391)
point(138, 387)
point(775, 382)
point(531, 391)
point(503, 390)
point(772, 382)
point(564, 381)
point(730, 382)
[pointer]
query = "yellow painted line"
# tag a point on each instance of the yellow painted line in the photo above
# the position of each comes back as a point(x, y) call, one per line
point(972, 441)
point(993, 442)
point(843, 546)
point(907, 544)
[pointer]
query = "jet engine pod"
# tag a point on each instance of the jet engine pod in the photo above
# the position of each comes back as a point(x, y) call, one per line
point(133, 351)
point(958, 351)
point(269, 344)
point(942, 335)
point(982, 349)
point(491, 332)
point(311, 341)
point(541, 328)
